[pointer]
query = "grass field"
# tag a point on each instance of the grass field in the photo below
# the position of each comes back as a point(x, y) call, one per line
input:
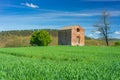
point(60, 63)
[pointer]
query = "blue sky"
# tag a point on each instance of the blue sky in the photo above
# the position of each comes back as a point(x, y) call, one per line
point(55, 14)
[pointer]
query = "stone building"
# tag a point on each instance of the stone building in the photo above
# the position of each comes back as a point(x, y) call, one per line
point(71, 35)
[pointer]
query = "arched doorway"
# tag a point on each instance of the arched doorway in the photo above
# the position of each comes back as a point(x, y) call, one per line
point(78, 40)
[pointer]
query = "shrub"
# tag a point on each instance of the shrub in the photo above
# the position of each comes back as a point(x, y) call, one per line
point(117, 43)
point(40, 38)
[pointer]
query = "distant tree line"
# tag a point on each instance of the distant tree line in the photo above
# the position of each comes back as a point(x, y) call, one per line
point(52, 32)
point(17, 38)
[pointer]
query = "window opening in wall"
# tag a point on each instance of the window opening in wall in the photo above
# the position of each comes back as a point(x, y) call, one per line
point(78, 30)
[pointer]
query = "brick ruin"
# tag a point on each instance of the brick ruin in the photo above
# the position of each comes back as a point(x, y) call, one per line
point(71, 35)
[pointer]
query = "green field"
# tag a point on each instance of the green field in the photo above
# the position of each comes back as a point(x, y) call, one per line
point(60, 63)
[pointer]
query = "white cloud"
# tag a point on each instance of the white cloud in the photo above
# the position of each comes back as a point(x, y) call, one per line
point(90, 35)
point(69, 14)
point(31, 5)
point(118, 37)
point(97, 32)
point(117, 32)
point(80, 14)
point(93, 36)
point(115, 13)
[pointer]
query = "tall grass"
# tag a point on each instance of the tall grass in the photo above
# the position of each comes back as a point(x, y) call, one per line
point(60, 63)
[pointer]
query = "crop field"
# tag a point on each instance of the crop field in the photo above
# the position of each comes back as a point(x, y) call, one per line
point(60, 63)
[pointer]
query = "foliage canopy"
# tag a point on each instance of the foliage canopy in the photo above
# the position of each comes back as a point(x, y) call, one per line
point(40, 38)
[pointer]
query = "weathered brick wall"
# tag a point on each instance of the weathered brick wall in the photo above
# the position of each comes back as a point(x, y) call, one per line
point(76, 34)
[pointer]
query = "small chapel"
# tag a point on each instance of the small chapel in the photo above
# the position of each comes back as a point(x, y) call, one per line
point(71, 35)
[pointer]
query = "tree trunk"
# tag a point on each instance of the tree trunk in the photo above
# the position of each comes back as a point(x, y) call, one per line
point(106, 39)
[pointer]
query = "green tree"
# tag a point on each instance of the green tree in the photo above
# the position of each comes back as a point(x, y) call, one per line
point(40, 38)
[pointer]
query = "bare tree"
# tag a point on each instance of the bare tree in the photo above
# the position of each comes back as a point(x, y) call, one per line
point(103, 26)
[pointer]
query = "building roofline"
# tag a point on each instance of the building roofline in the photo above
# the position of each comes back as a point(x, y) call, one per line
point(70, 27)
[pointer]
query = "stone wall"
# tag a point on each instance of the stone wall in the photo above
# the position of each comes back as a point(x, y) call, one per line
point(73, 36)
point(76, 34)
point(64, 37)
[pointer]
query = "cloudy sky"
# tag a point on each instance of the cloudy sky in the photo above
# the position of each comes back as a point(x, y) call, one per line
point(55, 14)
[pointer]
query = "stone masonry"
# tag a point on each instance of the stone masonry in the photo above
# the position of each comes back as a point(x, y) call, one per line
point(71, 35)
